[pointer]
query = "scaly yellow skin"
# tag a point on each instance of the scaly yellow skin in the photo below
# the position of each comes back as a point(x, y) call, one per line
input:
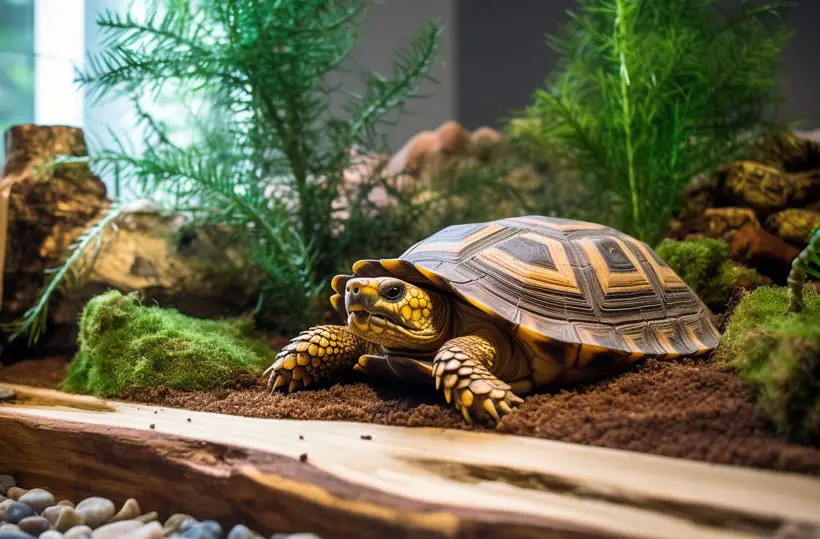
point(391, 318)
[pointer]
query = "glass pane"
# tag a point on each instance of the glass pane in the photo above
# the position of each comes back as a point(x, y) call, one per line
point(16, 64)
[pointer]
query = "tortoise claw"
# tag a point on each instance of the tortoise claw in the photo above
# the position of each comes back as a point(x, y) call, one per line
point(469, 385)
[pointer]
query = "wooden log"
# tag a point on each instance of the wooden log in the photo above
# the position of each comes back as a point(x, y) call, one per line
point(341, 479)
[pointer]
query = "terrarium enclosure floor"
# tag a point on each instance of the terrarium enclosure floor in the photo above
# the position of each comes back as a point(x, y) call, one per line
point(686, 409)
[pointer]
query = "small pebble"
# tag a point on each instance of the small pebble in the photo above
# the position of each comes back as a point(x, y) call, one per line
point(6, 482)
point(175, 521)
point(95, 511)
point(78, 532)
point(5, 505)
point(152, 530)
point(14, 534)
point(67, 503)
point(38, 499)
point(53, 513)
point(9, 527)
point(67, 520)
point(18, 511)
point(241, 531)
point(303, 457)
point(366, 437)
point(130, 510)
point(116, 529)
point(16, 492)
point(207, 529)
point(151, 426)
point(52, 534)
point(34, 525)
point(301, 437)
point(188, 420)
point(148, 517)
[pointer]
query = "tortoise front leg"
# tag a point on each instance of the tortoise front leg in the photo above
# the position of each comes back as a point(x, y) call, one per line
point(319, 352)
point(460, 368)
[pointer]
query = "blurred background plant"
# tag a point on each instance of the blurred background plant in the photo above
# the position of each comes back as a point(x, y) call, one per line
point(262, 152)
point(646, 96)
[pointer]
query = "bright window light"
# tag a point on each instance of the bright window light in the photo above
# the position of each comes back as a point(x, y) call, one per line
point(59, 46)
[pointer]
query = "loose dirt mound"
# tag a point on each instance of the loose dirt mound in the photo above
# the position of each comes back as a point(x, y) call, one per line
point(688, 409)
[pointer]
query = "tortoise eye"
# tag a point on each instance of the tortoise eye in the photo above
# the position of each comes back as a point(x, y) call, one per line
point(394, 292)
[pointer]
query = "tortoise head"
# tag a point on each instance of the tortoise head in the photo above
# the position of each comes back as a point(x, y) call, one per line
point(395, 313)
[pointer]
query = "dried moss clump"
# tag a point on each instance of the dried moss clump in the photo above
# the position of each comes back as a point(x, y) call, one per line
point(778, 353)
point(704, 265)
point(123, 344)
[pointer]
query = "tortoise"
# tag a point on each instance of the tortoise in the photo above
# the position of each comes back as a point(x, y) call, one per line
point(494, 311)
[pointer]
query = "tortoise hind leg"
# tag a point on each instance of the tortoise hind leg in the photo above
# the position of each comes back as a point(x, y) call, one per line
point(460, 369)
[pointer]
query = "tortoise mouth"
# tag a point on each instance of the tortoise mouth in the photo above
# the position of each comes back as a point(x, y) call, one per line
point(383, 320)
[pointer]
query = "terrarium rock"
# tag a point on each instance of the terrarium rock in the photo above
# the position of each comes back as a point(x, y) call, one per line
point(759, 249)
point(38, 499)
point(767, 189)
point(793, 225)
point(195, 270)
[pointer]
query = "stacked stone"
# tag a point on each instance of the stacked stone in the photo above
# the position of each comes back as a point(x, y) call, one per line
point(764, 207)
point(35, 513)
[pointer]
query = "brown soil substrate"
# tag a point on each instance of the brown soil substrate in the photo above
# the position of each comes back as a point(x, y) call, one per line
point(689, 409)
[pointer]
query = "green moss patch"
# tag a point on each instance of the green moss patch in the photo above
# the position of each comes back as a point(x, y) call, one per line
point(704, 265)
point(124, 344)
point(778, 353)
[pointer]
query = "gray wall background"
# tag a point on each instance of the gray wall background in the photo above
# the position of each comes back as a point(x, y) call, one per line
point(502, 57)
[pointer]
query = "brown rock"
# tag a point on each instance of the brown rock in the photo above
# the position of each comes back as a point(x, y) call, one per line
point(411, 158)
point(767, 189)
point(191, 270)
point(765, 252)
point(453, 140)
point(717, 223)
point(792, 152)
point(793, 225)
point(485, 136)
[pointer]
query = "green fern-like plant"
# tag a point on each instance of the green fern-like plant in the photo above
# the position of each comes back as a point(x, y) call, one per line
point(649, 94)
point(270, 152)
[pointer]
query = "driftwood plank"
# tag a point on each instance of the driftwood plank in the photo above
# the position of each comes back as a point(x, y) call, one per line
point(360, 480)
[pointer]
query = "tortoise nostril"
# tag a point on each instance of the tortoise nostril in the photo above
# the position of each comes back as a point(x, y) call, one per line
point(356, 290)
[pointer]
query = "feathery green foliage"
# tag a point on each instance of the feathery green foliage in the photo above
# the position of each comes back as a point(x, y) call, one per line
point(647, 95)
point(270, 155)
point(124, 344)
point(806, 263)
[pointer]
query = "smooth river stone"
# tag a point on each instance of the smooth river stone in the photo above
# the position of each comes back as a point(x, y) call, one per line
point(15, 492)
point(53, 513)
point(78, 532)
point(15, 534)
point(240, 531)
point(95, 511)
point(67, 503)
point(51, 534)
point(34, 525)
point(152, 530)
point(38, 499)
point(68, 519)
point(18, 511)
point(116, 529)
point(4, 509)
point(130, 510)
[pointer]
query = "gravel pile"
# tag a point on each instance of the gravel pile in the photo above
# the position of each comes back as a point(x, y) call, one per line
point(26, 514)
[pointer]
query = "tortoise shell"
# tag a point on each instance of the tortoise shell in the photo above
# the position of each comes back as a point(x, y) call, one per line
point(564, 287)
